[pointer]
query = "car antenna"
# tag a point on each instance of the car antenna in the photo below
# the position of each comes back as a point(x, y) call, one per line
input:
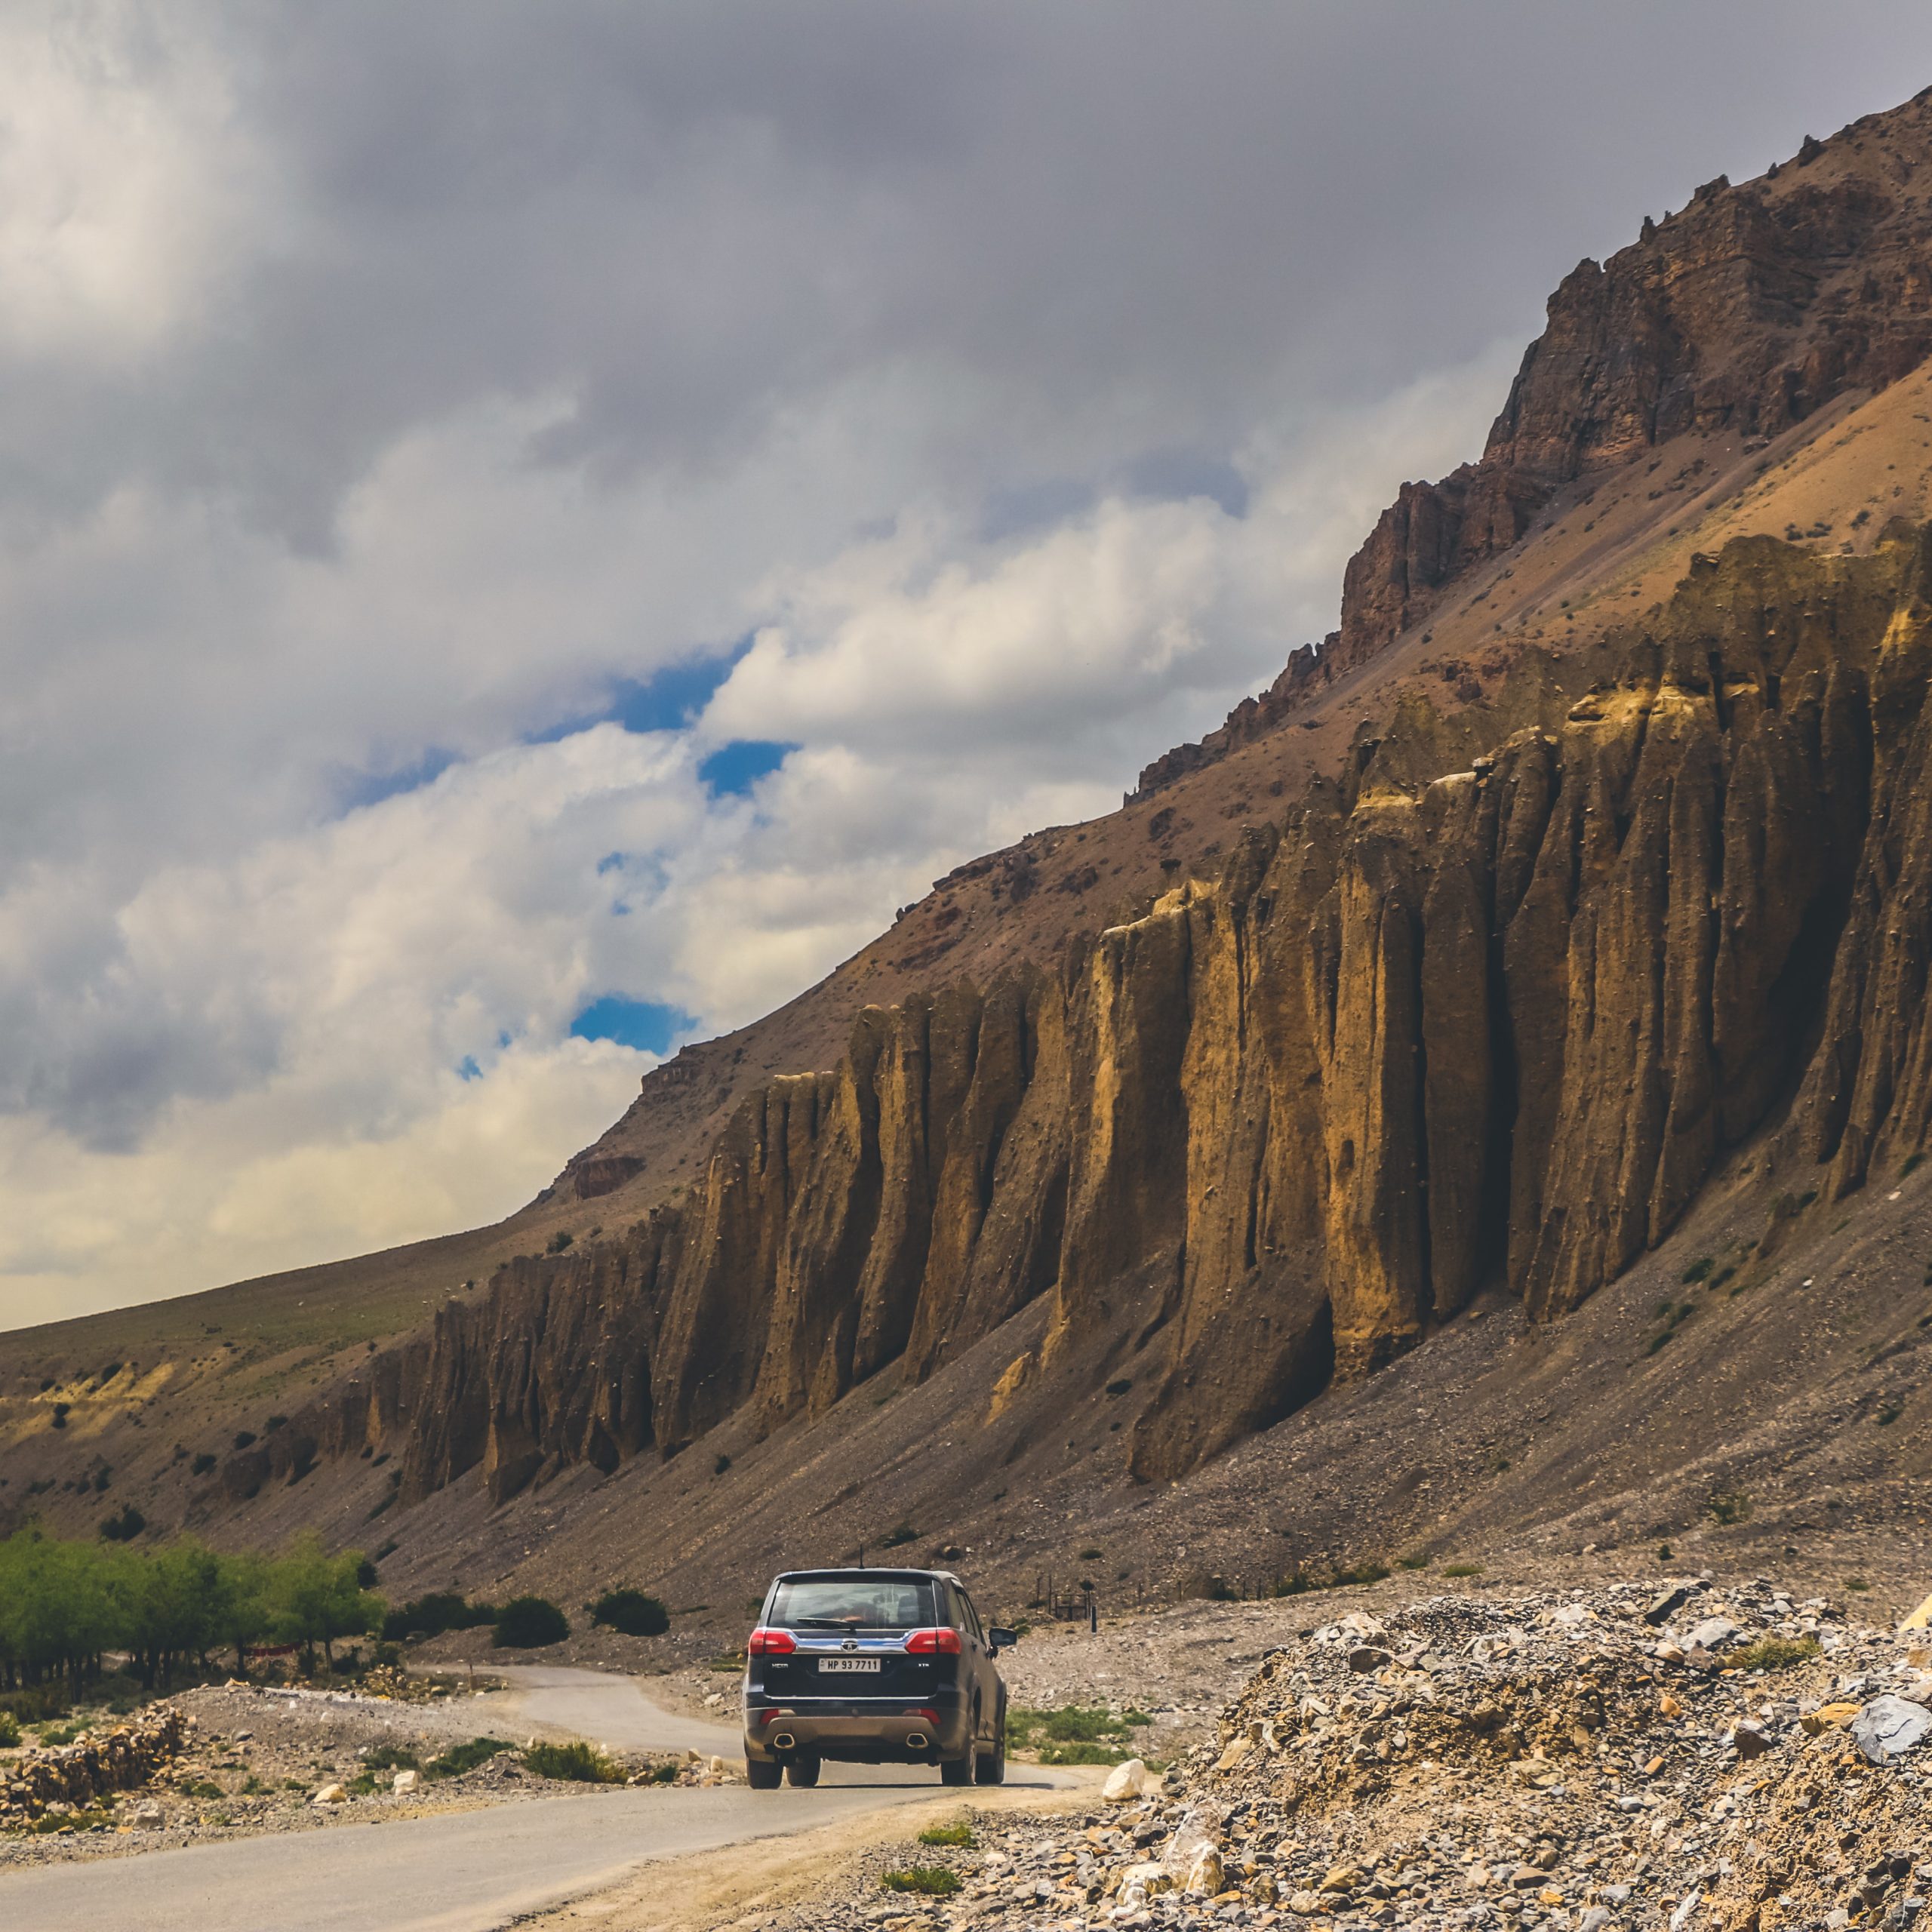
point(862, 1556)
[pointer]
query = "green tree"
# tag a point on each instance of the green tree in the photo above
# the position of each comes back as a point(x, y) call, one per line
point(315, 1597)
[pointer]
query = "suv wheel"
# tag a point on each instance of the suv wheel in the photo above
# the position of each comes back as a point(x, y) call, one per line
point(957, 1770)
point(803, 1770)
point(762, 1773)
point(989, 1767)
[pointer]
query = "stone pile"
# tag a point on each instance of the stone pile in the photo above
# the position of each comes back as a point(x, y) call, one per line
point(95, 1764)
point(1686, 1758)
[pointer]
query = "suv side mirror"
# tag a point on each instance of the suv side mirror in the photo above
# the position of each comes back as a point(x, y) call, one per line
point(998, 1639)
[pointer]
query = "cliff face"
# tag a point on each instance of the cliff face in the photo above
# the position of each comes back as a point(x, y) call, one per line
point(1487, 1007)
point(1436, 1028)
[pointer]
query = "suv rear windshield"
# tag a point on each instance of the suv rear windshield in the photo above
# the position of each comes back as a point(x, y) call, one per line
point(854, 1603)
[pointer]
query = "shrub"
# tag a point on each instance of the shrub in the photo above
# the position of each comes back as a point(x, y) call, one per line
point(10, 1730)
point(1774, 1653)
point(201, 1465)
point(1463, 1570)
point(430, 1616)
point(959, 1834)
point(558, 1242)
point(1697, 1271)
point(244, 1439)
point(461, 1757)
point(391, 1757)
point(528, 1623)
point(895, 1539)
point(1734, 1506)
point(932, 1881)
point(631, 1613)
point(275, 1422)
point(577, 1764)
point(126, 1525)
point(720, 1463)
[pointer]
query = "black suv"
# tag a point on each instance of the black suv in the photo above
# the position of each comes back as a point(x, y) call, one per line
point(873, 1667)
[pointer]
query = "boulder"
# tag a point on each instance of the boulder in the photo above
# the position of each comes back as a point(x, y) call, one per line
point(1125, 1782)
point(405, 1782)
point(1889, 1727)
point(330, 1794)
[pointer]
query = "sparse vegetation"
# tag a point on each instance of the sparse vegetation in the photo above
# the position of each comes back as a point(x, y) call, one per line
point(1074, 1733)
point(461, 1757)
point(1462, 1569)
point(1300, 1580)
point(631, 1613)
point(529, 1623)
point(124, 1525)
point(931, 1881)
point(1856, 1584)
point(10, 1730)
point(1698, 1271)
point(430, 1616)
point(1890, 1414)
point(558, 1242)
point(960, 1833)
point(1415, 1560)
point(1774, 1653)
point(575, 1764)
point(202, 1465)
point(898, 1539)
point(1734, 1506)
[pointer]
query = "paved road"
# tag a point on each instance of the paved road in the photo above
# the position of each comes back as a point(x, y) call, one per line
point(453, 1872)
point(613, 1711)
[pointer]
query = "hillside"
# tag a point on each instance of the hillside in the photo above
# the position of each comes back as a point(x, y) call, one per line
point(1547, 948)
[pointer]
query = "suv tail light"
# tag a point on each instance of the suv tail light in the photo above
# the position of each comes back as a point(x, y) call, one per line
point(765, 1643)
point(929, 1643)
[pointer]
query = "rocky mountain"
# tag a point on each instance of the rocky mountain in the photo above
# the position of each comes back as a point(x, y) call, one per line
point(1581, 883)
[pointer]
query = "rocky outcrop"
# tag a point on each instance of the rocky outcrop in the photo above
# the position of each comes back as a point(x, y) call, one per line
point(1748, 310)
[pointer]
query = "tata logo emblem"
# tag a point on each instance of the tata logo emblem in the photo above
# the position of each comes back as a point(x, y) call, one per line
point(849, 1643)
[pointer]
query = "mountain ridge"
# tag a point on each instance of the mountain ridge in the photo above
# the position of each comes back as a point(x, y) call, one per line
point(1300, 1094)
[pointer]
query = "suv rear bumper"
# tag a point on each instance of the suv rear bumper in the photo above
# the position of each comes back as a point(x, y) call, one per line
point(844, 1729)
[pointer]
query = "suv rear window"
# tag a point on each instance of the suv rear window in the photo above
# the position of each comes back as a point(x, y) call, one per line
point(853, 1603)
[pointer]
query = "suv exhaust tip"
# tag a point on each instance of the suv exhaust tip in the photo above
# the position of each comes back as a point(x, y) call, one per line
point(916, 1740)
point(782, 1740)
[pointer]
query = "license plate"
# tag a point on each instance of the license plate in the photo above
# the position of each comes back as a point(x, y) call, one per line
point(847, 1663)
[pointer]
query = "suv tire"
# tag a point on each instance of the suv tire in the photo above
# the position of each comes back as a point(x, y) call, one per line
point(763, 1773)
point(989, 1767)
point(802, 1771)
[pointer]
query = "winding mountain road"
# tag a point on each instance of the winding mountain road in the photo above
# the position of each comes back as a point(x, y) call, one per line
point(457, 1872)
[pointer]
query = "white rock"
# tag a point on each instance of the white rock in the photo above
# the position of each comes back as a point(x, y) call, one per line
point(1712, 1633)
point(1889, 1727)
point(1125, 1782)
point(330, 1794)
point(148, 1814)
point(405, 1782)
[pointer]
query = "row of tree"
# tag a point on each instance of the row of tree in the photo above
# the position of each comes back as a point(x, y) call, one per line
point(65, 1607)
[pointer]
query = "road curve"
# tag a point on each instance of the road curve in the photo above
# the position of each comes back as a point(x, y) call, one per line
point(613, 1710)
point(462, 1871)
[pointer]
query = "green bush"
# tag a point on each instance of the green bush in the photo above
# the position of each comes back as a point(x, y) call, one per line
point(631, 1613)
point(528, 1623)
point(931, 1881)
point(959, 1834)
point(10, 1730)
point(1774, 1653)
point(461, 1757)
point(1463, 1570)
point(577, 1764)
point(1732, 1507)
point(124, 1526)
point(430, 1616)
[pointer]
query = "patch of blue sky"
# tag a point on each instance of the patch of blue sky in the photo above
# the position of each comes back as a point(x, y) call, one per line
point(467, 1068)
point(648, 1025)
point(667, 700)
point(732, 769)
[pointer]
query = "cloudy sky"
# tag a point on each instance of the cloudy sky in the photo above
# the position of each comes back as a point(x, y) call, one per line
point(526, 530)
